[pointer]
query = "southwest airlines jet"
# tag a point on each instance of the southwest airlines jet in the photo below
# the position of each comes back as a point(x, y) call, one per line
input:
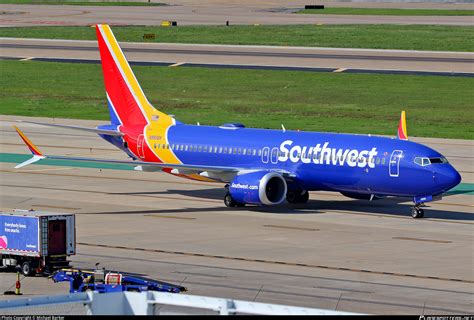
point(259, 166)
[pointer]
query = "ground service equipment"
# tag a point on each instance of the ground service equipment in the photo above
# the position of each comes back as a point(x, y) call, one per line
point(111, 281)
point(36, 241)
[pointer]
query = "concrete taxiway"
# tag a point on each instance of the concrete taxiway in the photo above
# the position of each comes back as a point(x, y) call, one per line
point(213, 12)
point(333, 253)
point(337, 59)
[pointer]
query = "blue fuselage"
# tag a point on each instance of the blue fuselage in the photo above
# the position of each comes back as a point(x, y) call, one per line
point(319, 161)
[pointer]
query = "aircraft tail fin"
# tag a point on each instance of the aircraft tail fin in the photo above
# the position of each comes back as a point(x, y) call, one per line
point(402, 127)
point(127, 103)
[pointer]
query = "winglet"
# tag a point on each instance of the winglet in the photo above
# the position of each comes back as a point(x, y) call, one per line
point(402, 127)
point(34, 150)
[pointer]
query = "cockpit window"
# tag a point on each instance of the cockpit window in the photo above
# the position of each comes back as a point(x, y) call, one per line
point(439, 160)
point(422, 161)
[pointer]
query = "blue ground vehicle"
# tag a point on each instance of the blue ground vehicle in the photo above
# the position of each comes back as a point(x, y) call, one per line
point(111, 281)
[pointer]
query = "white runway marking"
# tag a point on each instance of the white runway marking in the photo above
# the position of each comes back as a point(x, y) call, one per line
point(177, 64)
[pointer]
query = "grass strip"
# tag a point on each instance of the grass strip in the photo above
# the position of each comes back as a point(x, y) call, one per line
point(405, 37)
point(337, 102)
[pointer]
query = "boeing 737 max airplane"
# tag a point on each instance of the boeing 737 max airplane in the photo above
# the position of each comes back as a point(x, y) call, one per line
point(259, 166)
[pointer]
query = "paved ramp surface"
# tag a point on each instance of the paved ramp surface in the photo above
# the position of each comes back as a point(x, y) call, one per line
point(333, 253)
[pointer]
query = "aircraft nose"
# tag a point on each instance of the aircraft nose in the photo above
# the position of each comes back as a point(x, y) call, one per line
point(448, 178)
point(455, 178)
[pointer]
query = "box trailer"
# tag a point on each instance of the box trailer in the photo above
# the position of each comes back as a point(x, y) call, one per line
point(36, 241)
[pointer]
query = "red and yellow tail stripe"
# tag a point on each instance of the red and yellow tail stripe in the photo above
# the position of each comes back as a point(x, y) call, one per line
point(34, 150)
point(129, 101)
point(402, 127)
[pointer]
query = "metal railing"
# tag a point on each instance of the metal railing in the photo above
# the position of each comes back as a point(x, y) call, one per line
point(150, 303)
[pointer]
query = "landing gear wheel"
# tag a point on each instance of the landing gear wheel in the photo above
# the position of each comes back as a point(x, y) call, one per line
point(228, 201)
point(26, 269)
point(297, 196)
point(417, 213)
point(304, 197)
point(291, 197)
point(231, 203)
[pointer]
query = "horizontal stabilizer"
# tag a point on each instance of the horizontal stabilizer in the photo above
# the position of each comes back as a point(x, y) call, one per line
point(94, 130)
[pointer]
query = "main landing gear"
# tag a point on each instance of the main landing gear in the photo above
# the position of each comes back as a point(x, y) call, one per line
point(229, 201)
point(417, 212)
point(297, 196)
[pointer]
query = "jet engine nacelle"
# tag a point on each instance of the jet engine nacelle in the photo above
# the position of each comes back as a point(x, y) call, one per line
point(260, 187)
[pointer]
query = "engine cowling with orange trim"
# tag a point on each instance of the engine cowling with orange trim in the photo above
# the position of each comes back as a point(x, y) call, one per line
point(258, 187)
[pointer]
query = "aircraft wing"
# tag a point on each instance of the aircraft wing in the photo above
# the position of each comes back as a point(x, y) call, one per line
point(94, 130)
point(143, 164)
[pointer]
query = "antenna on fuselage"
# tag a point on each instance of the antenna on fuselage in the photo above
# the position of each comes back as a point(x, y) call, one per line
point(283, 128)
